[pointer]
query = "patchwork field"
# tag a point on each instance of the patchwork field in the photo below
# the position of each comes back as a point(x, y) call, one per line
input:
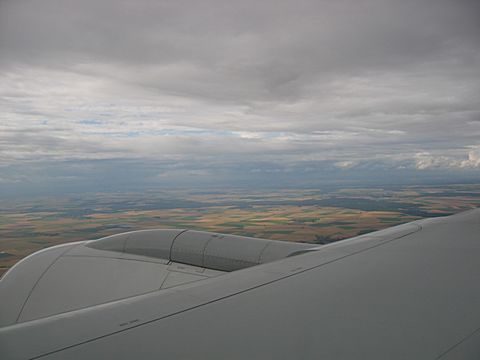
point(311, 215)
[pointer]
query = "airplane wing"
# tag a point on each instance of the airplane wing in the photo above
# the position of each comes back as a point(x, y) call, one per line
point(408, 292)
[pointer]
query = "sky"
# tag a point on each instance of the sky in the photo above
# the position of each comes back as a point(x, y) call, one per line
point(100, 95)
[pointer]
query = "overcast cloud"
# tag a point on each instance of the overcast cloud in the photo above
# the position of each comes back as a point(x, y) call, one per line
point(237, 89)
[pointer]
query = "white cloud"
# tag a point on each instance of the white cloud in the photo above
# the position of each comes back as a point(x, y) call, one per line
point(345, 164)
point(473, 160)
point(426, 160)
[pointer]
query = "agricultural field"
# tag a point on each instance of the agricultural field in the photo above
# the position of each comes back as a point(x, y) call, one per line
point(303, 215)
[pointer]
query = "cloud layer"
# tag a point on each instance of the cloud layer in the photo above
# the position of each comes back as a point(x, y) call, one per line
point(199, 86)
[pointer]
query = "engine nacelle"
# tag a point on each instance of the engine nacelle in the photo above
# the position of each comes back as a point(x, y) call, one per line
point(199, 248)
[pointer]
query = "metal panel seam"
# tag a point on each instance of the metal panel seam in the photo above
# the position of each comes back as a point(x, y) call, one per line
point(259, 260)
point(173, 242)
point(125, 243)
point(39, 278)
point(205, 248)
point(458, 343)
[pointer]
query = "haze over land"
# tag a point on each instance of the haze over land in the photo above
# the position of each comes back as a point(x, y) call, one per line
point(131, 95)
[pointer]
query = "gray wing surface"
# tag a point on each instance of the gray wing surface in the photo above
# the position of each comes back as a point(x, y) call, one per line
point(408, 292)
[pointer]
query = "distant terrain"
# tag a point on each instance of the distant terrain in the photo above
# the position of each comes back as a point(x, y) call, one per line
point(305, 215)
